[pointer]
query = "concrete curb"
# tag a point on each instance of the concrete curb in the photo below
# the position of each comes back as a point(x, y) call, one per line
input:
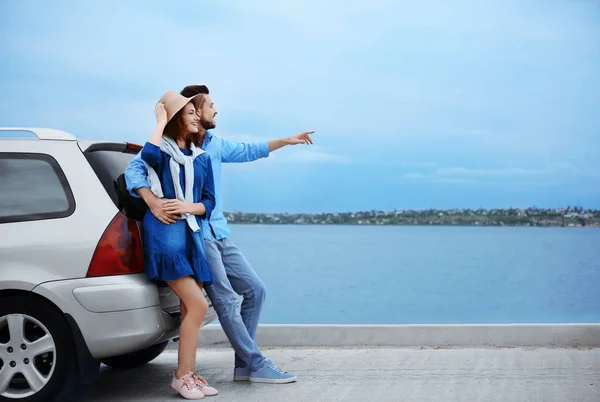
point(461, 335)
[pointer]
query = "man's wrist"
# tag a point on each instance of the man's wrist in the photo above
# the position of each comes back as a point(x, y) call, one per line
point(147, 195)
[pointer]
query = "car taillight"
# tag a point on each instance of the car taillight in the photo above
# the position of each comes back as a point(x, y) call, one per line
point(119, 251)
point(133, 147)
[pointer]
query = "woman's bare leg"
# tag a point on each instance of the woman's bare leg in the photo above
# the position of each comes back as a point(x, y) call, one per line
point(195, 306)
point(183, 309)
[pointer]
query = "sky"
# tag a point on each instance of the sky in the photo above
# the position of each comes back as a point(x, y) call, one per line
point(415, 104)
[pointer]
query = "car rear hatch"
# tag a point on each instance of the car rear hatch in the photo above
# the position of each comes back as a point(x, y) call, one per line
point(109, 160)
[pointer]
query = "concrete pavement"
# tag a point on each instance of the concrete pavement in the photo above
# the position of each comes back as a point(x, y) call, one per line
point(378, 374)
point(414, 335)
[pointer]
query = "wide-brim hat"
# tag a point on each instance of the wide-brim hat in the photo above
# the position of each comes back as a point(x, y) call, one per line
point(174, 102)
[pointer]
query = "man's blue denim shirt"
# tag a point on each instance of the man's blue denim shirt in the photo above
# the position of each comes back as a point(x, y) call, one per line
point(220, 151)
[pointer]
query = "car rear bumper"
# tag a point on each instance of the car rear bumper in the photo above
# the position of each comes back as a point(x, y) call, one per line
point(119, 314)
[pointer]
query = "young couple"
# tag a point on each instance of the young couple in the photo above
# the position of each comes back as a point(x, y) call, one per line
point(186, 238)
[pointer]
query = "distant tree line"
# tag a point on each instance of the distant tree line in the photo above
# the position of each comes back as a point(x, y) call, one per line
point(569, 216)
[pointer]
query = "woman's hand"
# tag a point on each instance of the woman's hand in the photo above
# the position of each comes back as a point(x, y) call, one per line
point(177, 207)
point(161, 114)
point(161, 122)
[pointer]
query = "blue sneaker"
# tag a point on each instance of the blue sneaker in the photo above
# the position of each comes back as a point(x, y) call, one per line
point(270, 373)
point(241, 374)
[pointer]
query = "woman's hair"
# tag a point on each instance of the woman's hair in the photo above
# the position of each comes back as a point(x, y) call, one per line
point(174, 130)
point(188, 92)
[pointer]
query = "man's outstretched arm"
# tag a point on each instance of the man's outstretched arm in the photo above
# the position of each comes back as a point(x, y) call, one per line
point(136, 177)
point(237, 152)
point(302, 138)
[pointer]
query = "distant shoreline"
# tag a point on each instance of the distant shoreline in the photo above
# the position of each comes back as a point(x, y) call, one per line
point(531, 217)
point(411, 225)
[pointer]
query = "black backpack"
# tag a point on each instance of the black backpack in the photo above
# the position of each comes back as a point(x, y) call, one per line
point(133, 207)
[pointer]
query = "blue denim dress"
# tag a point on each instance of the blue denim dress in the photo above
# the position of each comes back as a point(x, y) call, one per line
point(174, 251)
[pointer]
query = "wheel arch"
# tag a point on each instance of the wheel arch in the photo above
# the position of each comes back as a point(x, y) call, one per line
point(88, 366)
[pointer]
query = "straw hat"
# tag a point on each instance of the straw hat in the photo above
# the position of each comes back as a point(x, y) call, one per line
point(174, 102)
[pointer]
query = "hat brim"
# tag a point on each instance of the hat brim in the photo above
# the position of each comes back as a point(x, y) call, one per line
point(174, 102)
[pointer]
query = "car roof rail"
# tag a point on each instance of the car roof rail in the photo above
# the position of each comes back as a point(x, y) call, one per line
point(43, 133)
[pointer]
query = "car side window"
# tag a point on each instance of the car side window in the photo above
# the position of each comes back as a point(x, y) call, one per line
point(33, 187)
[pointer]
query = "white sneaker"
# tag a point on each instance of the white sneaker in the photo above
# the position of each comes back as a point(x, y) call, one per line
point(206, 389)
point(186, 386)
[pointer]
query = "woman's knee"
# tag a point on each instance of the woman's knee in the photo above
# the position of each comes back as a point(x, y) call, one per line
point(197, 311)
point(193, 302)
point(203, 306)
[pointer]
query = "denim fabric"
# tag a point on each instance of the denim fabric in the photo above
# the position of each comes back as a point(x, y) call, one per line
point(233, 275)
point(220, 151)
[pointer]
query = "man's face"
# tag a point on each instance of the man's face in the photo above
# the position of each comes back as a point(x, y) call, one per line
point(205, 108)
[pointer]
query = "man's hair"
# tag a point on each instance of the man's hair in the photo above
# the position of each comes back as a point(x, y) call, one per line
point(192, 90)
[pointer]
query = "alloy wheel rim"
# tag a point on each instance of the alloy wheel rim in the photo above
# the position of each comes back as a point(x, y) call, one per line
point(27, 356)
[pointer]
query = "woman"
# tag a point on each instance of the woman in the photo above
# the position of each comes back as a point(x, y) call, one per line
point(181, 171)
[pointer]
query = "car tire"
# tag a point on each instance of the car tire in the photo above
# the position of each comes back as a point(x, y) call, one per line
point(42, 352)
point(136, 359)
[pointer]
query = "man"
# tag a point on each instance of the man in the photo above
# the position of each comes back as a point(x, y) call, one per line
point(232, 274)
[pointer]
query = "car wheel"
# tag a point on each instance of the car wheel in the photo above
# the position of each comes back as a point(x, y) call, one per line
point(37, 356)
point(136, 359)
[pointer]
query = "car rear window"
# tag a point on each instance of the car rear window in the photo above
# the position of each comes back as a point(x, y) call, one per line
point(33, 187)
point(108, 165)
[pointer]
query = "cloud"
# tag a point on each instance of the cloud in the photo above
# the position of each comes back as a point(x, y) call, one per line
point(333, 19)
point(118, 120)
point(318, 157)
point(473, 133)
point(404, 163)
point(558, 170)
point(547, 175)
point(510, 173)
point(414, 176)
point(299, 154)
point(453, 180)
point(306, 58)
point(430, 92)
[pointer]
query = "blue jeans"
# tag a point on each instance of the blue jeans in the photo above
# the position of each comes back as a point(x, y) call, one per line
point(233, 275)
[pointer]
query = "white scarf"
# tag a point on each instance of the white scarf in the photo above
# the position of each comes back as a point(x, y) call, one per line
point(169, 146)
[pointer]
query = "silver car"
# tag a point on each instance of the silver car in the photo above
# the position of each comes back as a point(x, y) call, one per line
point(73, 292)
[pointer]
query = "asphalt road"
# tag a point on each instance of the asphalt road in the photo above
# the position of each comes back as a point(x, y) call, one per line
point(447, 375)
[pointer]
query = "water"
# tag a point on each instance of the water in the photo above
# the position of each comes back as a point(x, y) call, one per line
point(424, 275)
